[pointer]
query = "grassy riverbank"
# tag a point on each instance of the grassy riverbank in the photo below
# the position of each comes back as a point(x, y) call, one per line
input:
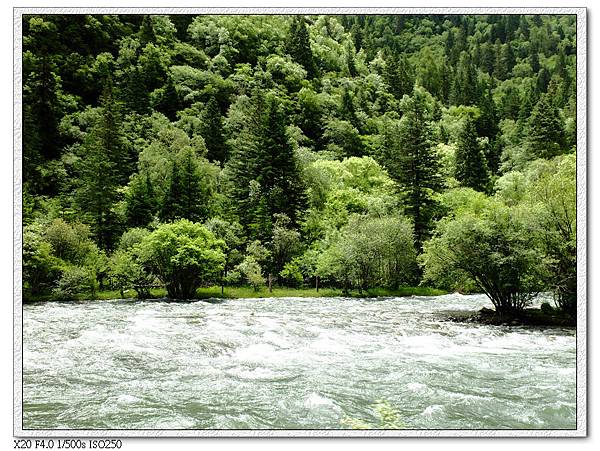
point(249, 292)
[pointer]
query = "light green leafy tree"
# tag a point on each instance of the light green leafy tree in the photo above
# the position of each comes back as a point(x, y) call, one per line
point(494, 248)
point(183, 255)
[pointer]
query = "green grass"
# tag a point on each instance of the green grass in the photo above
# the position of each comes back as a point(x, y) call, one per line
point(285, 292)
point(249, 292)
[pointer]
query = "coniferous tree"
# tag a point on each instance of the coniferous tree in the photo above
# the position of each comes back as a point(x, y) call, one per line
point(263, 170)
point(413, 163)
point(186, 197)
point(212, 132)
point(487, 123)
point(471, 168)
point(279, 176)
point(298, 46)
point(103, 169)
point(464, 89)
point(140, 201)
point(545, 134)
point(399, 76)
point(505, 60)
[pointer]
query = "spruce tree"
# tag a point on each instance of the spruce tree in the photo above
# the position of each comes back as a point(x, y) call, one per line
point(545, 134)
point(280, 174)
point(103, 169)
point(413, 163)
point(464, 89)
point(505, 60)
point(186, 197)
point(399, 76)
point(140, 201)
point(298, 46)
point(212, 132)
point(487, 123)
point(263, 171)
point(471, 168)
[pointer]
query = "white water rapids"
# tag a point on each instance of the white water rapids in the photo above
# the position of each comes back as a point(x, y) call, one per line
point(289, 363)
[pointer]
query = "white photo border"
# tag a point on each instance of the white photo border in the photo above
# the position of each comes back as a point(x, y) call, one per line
point(581, 340)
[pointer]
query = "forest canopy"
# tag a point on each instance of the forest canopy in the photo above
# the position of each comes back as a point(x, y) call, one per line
point(353, 151)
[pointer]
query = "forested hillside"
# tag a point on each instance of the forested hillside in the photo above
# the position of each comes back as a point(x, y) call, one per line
point(346, 151)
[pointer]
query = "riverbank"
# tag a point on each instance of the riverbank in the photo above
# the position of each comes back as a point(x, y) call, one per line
point(249, 292)
point(528, 317)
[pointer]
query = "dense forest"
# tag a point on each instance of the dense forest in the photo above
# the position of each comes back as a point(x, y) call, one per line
point(301, 151)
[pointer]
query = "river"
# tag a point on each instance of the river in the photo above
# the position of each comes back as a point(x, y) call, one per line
point(289, 363)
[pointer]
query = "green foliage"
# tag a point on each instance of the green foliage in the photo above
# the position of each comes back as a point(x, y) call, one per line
point(285, 243)
point(40, 267)
point(547, 189)
point(412, 162)
point(370, 252)
point(493, 249)
point(336, 189)
point(545, 135)
point(252, 272)
point(103, 167)
point(298, 45)
point(70, 242)
point(73, 281)
point(183, 255)
point(292, 273)
point(471, 169)
point(263, 170)
point(131, 122)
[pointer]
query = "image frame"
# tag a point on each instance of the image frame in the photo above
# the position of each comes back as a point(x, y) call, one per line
point(581, 181)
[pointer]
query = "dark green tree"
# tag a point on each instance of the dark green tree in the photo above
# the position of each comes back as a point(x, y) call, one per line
point(505, 60)
point(298, 46)
point(545, 133)
point(399, 75)
point(465, 88)
point(212, 132)
point(413, 163)
point(471, 168)
point(187, 197)
point(103, 168)
point(264, 175)
point(140, 201)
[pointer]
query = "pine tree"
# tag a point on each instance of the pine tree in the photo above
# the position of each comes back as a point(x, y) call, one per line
point(505, 60)
point(545, 134)
point(263, 170)
point(464, 89)
point(186, 197)
point(212, 132)
point(471, 168)
point(487, 123)
point(298, 46)
point(399, 76)
point(140, 201)
point(413, 163)
point(104, 167)
point(279, 175)
point(528, 102)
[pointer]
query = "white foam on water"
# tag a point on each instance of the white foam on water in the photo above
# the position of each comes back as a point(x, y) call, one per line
point(269, 363)
point(432, 410)
point(127, 399)
point(416, 387)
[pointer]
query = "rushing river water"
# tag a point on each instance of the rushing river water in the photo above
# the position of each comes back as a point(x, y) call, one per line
point(289, 363)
